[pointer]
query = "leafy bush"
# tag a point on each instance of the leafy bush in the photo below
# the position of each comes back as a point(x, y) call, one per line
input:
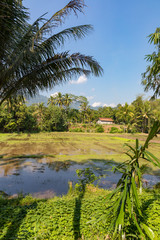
point(54, 119)
point(114, 130)
point(99, 129)
point(75, 130)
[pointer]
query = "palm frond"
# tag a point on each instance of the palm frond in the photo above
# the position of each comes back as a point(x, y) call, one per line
point(30, 61)
point(58, 18)
point(53, 71)
point(13, 17)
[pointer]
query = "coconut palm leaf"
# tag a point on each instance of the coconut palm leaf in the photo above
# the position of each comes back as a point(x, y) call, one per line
point(51, 72)
point(32, 61)
point(59, 17)
point(12, 18)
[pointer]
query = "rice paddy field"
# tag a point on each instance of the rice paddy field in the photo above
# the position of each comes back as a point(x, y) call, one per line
point(77, 147)
point(42, 164)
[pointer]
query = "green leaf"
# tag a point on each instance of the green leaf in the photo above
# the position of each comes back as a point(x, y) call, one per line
point(138, 226)
point(129, 204)
point(132, 149)
point(149, 232)
point(148, 158)
point(134, 189)
point(154, 157)
point(152, 133)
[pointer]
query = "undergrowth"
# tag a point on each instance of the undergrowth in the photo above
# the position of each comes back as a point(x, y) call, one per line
point(62, 217)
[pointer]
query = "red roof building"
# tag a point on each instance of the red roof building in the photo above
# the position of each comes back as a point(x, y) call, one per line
point(105, 121)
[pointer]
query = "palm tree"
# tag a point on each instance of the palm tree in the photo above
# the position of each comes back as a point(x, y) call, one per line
point(147, 114)
point(59, 100)
point(12, 104)
point(83, 108)
point(67, 100)
point(51, 101)
point(39, 112)
point(29, 57)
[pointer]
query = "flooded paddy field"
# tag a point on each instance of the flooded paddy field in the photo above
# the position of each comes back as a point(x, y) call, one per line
point(43, 164)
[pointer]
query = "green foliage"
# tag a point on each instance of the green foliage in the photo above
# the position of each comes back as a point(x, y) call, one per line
point(151, 78)
point(15, 116)
point(28, 218)
point(99, 129)
point(54, 119)
point(127, 206)
point(114, 130)
point(76, 130)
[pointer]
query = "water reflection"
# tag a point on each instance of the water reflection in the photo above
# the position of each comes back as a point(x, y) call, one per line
point(47, 177)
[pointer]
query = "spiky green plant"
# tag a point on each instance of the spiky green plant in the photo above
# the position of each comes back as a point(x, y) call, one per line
point(126, 204)
point(29, 53)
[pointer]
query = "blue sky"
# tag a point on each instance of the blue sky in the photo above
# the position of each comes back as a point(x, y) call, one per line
point(119, 43)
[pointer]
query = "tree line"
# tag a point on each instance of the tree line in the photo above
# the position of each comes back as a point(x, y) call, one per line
point(58, 115)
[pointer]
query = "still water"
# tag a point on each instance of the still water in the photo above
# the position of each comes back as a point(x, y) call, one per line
point(45, 178)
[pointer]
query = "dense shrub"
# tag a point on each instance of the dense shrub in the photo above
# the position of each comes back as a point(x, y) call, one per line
point(76, 130)
point(54, 119)
point(99, 129)
point(114, 130)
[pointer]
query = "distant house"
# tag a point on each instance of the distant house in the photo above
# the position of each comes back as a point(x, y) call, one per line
point(105, 121)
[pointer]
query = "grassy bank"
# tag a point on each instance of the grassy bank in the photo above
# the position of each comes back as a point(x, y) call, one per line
point(68, 217)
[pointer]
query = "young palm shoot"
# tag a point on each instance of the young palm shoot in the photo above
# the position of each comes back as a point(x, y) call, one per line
point(126, 204)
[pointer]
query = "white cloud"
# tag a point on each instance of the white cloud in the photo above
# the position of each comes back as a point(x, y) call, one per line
point(54, 94)
point(81, 79)
point(90, 98)
point(100, 104)
point(97, 104)
point(110, 105)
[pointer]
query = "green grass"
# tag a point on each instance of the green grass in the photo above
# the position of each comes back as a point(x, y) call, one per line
point(68, 217)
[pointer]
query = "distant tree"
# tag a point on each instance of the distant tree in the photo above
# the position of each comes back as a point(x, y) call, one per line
point(52, 100)
point(125, 114)
point(67, 100)
point(73, 115)
point(138, 104)
point(17, 118)
point(89, 114)
point(106, 112)
point(147, 115)
point(55, 119)
point(39, 113)
point(151, 78)
point(155, 109)
point(83, 109)
point(29, 57)
point(59, 100)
